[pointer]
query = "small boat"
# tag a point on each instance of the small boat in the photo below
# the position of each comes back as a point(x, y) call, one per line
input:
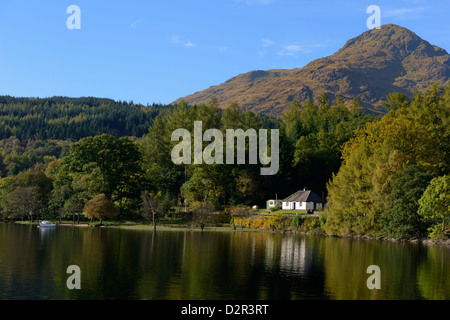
point(46, 224)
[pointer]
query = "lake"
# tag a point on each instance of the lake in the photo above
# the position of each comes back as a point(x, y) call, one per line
point(191, 265)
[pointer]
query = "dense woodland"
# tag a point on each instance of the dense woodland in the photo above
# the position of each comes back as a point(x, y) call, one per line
point(84, 158)
point(62, 118)
point(394, 180)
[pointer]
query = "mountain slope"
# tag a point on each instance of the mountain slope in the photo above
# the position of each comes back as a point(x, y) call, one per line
point(368, 67)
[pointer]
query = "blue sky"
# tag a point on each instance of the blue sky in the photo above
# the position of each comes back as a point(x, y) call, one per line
point(157, 51)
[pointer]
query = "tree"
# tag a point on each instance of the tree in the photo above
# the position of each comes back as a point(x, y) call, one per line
point(100, 207)
point(208, 183)
point(396, 100)
point(401, 219)
point(150, 206)
point(59, 197)
point(232, 117)
point(110, 166)
point(23, 201)
point(237, 215)
point(246, 187)
point(6, 186)
point(413, 135)
point(202, 214)
point(435, 204)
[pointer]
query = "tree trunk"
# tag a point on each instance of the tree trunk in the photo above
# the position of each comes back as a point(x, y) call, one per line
point(232, 219)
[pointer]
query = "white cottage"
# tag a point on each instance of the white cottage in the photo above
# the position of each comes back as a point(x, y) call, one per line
point(303, 200)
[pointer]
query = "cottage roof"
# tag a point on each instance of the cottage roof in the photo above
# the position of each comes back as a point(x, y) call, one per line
point(304, 196)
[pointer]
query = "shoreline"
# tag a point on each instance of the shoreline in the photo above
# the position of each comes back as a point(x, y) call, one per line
point(128, 225)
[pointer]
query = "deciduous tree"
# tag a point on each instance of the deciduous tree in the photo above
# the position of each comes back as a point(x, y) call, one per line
point(435, 204)
point(100, 207)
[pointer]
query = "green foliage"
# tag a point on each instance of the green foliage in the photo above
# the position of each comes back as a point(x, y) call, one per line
point(373, 170)
point(309, 224)
point(275, 221)
point(217, 184)
point(367, 186)
point(435, 204)
point(65, 118)
point(396, 100)
point(314, 132)
point(25, 195)
point(317, 133)
point(113, 163)
point(401, 219)
point(17, 156)
point(297, 221)
point(101, 165)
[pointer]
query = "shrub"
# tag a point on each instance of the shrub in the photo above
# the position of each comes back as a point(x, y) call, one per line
point(297, 221)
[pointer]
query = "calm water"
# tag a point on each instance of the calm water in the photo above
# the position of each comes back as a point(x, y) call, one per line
point(167, 265)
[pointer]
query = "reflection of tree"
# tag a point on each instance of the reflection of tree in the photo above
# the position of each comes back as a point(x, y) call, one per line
point(345, 265)
point(433, 278)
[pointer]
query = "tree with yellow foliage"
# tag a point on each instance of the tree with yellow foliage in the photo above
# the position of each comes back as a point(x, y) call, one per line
point(100, 207)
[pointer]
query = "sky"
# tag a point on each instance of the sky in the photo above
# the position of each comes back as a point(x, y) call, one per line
point(149, 51)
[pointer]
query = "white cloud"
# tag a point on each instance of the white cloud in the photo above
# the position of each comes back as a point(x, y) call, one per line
point(291, 50)
point(267, 42)
point(294, 49)
point(404, 13)
point(177, 40)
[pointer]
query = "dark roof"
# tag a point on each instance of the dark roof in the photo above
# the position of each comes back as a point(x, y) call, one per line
point(304, 196)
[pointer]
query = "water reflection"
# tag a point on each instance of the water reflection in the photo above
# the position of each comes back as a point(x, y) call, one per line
point(124, 264)
point(44, 233)
point(293, 255)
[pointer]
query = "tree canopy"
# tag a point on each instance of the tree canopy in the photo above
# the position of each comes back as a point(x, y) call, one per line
point(369, 182)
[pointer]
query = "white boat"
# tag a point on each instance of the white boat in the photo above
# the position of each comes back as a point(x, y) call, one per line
point(46, 224)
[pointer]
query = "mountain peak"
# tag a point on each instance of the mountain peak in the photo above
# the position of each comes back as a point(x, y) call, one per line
point(392, 38)
point(368, 67)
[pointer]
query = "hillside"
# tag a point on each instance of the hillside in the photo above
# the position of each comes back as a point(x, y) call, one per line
point(63, 118)
point(368, 67)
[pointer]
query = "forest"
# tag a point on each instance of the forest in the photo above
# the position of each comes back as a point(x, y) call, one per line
point(383, 176)
point(63, 118)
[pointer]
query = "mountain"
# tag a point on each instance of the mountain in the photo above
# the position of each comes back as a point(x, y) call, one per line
point(368, 67)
